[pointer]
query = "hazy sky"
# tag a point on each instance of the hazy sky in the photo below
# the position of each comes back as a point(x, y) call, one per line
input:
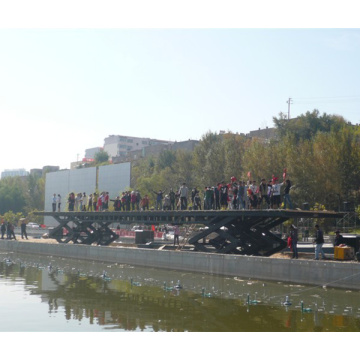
point(65, 90)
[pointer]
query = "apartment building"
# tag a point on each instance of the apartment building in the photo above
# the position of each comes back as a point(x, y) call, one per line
point(120, 145)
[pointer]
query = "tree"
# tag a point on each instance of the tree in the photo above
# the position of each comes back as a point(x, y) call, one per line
point(101, 157)
point(209, 160)
point(166, 159)
point(14, 194)
point(308, 125)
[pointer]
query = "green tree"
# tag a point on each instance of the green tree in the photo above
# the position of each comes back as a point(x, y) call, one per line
point(14, 195)
point(234, 147)
point(166, 159)
point(209, 159)
point(101, 157)
point(308, 125)
point(36, 191)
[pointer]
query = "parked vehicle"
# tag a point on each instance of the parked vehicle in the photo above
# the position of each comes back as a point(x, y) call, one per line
point(33, 225)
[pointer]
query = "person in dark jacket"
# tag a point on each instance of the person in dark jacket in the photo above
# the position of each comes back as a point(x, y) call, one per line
point(3, 230)
point(294, 240)
point(319, 242)
point(10, 231)
point(287, 199)
point(338, 238)
point(23, 230)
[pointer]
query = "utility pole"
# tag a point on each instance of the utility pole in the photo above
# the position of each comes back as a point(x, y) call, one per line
point(289, 103)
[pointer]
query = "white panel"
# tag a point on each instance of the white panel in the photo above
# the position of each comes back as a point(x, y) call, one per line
point(114, 178)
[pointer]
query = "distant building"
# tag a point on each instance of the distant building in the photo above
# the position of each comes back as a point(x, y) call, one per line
point(188, 145)
point(14, 172)
point(44, 170)
point(90, 153)
point(49, 168)
point(81, 163)
point(37, 172)
point(264, 134)
point(118, 146)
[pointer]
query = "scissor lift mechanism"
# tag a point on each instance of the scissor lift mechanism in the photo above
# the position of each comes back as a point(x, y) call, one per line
point(246, 232)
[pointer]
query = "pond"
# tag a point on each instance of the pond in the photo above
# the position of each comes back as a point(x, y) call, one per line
point(40, 293)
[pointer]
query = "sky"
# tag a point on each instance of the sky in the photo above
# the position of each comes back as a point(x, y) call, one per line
point(66, 86)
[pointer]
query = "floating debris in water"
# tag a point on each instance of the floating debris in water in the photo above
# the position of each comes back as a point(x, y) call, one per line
point(305, 309)
point(287, 301)
point(204, 294)
point(105, 277)
point(253, 302)
point(135, 283)
point(168, 288)
point(178, 286)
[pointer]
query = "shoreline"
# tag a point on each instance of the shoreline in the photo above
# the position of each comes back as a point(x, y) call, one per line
point(326, 273)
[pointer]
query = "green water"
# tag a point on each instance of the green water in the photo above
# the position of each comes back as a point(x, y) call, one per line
point(57, 294)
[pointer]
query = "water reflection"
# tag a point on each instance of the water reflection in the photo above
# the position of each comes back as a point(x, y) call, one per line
point(103, 297)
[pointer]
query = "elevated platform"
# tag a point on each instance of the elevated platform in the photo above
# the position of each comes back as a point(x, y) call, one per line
point(246, 232)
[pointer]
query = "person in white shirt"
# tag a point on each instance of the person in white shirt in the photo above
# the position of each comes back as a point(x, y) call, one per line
point(84, 202)
point(276, 198)
point(183, 196)
point(54, 203)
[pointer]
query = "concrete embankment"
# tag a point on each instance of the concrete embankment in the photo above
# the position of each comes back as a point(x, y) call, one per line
point(328, 273)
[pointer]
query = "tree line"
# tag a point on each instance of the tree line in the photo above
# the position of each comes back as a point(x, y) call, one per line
point(320, 152)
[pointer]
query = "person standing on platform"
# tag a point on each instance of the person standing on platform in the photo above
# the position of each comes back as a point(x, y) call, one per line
point(59, 202)
point(159, 199)
point(133, 200)
point(145, 203)
point(106, 197)
point(172, 196)
point(117, 204)
point(71, 201)
point(84, 202)
point(263, 195)
point(276, 187)
point(287, 199)
point(138, 200)
point(90, 203)
point(95, 200)
point(319, 242)
point(54, 203)
point(183, 191)
point(217, 196)
point(224, 192)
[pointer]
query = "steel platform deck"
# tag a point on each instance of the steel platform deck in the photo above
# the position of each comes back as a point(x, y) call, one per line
point(245, 232)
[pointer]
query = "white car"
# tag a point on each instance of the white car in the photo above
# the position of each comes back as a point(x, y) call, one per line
point(33, 225)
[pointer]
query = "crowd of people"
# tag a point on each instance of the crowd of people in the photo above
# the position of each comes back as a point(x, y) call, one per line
point(223, 196)
point(7, 229)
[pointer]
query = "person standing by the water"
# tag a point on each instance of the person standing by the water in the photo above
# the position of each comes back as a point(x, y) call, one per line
point(176, 235)
point(294, 240)
point(3, 230)
point(23, 230)
point(10, 231)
